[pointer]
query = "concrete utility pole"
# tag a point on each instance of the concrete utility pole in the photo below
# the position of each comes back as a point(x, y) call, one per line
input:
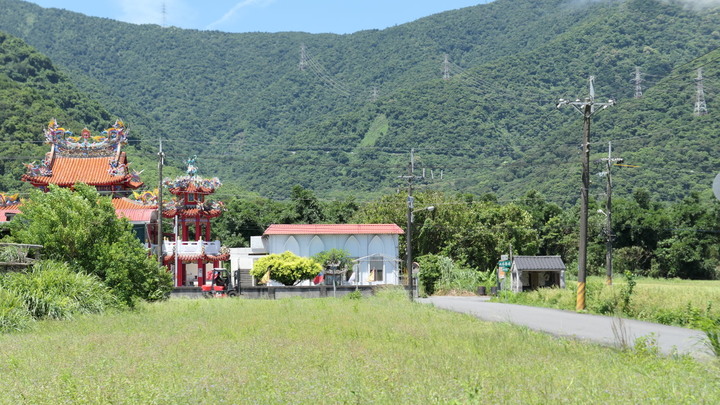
point(700, 106)
point(410, 177)
point(161, 163)
point(587, 108)
point(637, 80)
point(609, 237)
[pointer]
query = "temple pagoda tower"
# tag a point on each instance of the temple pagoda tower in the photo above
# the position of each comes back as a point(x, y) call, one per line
point(192, 255)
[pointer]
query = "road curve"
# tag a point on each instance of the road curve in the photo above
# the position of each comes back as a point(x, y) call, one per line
point(594, 328)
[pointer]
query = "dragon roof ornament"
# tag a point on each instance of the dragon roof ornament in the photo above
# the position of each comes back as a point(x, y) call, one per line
point(65, 143)
point(192, 179)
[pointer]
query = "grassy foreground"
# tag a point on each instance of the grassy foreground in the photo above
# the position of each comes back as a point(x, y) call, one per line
point(377, 350)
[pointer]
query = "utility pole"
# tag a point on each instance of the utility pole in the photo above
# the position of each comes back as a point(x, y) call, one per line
point(637, 80)
point(303, 57)
point(161, 163)
point(446, 68)
point(609, 237)
point(587, 108)
point(700, 106)
point(410, 177)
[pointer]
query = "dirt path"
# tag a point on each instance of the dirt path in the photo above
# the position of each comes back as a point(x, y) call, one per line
point(595, 328)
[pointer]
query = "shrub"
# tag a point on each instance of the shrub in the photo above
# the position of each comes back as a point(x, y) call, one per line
point(432, 268)
point(14, 316)
point(286, 268)
point(80, 227)
point(53, 290)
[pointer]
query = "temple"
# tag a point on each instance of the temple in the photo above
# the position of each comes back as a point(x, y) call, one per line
point(191, 254)
point(100, 162)
point(96, 160)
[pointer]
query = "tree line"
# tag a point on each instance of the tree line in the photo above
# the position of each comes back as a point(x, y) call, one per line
point(651, 238)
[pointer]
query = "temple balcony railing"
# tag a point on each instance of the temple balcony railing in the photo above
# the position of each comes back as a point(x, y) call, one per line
point(192, 247)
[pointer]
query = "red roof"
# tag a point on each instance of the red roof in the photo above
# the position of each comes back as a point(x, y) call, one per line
point(191, 213)
point(124, 207)
point(169, 258)
point(11, 209)
point(134, 212)
point(67, 171)
point(333, 229)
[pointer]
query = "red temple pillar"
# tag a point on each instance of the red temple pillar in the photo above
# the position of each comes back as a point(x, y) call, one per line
point(207, 230)
point(201, 272)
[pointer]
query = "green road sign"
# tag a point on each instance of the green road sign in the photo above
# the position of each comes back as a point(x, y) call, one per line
point(504, 263)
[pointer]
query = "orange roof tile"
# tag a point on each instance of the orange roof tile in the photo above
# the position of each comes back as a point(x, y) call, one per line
point(333, 229)
point(67, 171)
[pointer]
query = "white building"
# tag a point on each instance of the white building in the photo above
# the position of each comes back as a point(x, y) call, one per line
point(373, 246)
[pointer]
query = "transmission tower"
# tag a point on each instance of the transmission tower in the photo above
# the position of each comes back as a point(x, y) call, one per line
point(164, 15)
point(637, 80)
point(374, 94)
point(303, 57)
point(700, 107)
point(446, 68)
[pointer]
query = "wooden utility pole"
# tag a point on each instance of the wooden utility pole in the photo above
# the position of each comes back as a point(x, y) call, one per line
point(587, 108)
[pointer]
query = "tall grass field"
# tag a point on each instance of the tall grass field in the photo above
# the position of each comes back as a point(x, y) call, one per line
point(667, 301)
point(382, 349)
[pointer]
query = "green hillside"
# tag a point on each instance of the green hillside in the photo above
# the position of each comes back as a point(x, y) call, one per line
point(347, 121)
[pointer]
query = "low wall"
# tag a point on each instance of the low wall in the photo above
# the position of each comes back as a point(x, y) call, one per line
point(262, 292)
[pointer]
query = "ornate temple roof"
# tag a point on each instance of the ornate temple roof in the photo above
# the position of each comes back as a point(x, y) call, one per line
point(93, 160)
point(184, 207)
point(192, 183)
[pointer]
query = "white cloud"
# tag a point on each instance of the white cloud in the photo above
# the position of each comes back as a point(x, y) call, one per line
point(141, 11)
point(237, 8)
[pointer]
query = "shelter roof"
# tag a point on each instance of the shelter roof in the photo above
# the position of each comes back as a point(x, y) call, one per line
point(538, 263)
point(333, 229)
point(132, 210)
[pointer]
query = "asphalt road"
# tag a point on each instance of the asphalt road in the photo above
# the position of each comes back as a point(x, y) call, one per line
point(593, 328)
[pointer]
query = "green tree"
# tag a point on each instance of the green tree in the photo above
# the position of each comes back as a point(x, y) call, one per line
point(286, 268)
point(80, 228)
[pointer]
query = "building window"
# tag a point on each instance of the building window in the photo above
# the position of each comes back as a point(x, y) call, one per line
point(376, 270)
point(191, 197)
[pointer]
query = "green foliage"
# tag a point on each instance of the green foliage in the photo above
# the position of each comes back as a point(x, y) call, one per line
point(491, 131)
point(80, 227)
point(353, 295)
point(338, 258)
point(53, 290)
point(14, 315)
point(286, 268)
point(432, 267)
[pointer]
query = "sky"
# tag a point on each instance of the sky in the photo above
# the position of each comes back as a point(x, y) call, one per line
point(313, 16)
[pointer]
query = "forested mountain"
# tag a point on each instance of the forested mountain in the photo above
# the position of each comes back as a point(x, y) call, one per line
point(344, 118)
